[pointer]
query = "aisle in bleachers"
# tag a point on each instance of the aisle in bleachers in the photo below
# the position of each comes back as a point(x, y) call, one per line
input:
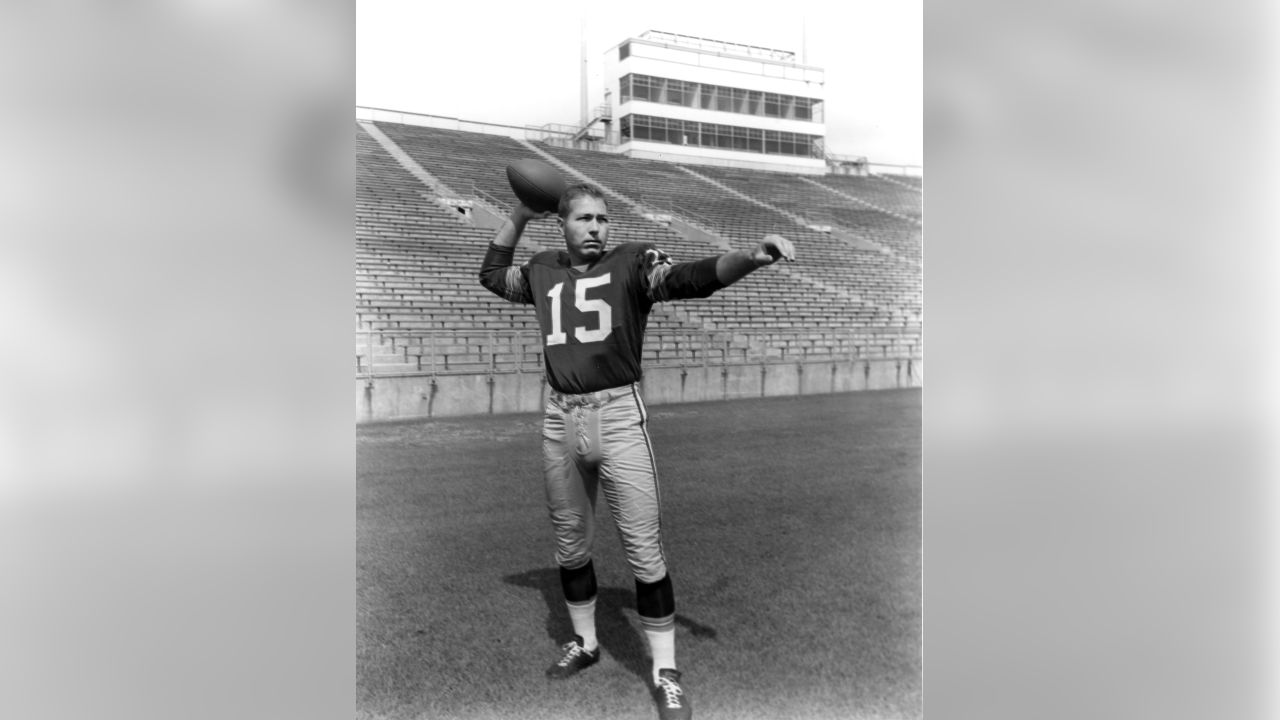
point(909, 180)
point(820, 207)
point(416, 266)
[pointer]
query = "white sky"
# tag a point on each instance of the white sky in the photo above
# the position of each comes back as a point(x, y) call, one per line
point(517, 63)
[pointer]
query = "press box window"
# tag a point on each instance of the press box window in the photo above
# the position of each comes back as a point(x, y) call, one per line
point(675, 92)
point(707, 95)
point(640, 88)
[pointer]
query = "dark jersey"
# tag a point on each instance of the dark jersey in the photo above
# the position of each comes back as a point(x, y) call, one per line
point(593, 320)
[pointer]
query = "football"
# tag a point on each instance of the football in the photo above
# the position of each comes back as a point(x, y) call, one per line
point(536, 183)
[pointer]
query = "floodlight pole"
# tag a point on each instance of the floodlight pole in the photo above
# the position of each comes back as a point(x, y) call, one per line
point(804, 41)
point(582, 109)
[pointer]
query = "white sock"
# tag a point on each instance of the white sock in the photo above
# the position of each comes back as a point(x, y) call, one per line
point(661, 633)
point(583, 616)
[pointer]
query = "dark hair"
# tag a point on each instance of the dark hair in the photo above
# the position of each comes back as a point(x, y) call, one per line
point(573, 192)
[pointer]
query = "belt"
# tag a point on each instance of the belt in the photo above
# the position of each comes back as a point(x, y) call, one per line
point(591, 399)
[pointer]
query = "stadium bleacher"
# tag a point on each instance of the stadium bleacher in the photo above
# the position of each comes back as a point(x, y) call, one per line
point(420, 308)
point(419, 303)
point(911, 181)
point(880, 282)
point(879, 192)
point(415, 269)
point(890, 217)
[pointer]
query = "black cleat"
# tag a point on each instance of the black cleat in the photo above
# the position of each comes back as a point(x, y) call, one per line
point(673, 703)
point(576, 658)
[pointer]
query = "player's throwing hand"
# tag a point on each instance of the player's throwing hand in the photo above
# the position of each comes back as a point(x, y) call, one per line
point(774, 248)
point(527, 213)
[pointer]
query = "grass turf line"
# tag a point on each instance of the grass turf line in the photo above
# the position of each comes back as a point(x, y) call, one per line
point(792, 527)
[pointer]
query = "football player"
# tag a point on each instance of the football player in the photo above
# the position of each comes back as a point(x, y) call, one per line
point(592, 303)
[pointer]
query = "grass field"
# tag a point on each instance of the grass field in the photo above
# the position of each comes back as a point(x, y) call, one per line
point(792, 527)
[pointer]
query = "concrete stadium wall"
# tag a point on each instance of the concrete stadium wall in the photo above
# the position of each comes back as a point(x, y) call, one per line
point(397, 397)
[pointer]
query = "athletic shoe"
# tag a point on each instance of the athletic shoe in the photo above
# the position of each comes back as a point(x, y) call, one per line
point(673, 703)
point(576, 658)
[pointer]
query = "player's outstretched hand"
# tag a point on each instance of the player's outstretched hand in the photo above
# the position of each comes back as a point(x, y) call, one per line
point(523, 213)
point(774, 248)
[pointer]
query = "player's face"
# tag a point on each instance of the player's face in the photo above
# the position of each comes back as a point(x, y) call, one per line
point(586, 229)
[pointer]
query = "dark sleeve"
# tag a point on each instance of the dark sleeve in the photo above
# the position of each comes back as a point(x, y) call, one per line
point(677, 281)
point(499, 277)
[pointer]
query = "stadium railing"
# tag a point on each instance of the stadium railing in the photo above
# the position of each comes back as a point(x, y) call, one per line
point(908, 170)
point(445, 122)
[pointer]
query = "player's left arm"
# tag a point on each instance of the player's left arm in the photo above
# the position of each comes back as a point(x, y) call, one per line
point(701, 278)
point(737, 264)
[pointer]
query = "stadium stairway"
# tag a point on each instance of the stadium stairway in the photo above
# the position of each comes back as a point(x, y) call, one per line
point(416, 267)
point(892, 197)
point(754, 200)
point(837, 211)
point(492, 212)
point(906, 181)
point(860, 201)
point(407, 162)
point(856, 242)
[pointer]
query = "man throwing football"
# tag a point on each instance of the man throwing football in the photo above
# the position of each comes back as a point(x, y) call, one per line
point(592, 305)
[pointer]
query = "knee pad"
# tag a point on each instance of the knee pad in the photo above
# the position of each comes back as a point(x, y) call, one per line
point(579, 585)
point(655, 599)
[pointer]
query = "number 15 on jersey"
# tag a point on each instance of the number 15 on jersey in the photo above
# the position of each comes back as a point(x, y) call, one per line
point(604, 313)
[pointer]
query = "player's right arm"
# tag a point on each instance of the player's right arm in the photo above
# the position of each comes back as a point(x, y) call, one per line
point(497, 274)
